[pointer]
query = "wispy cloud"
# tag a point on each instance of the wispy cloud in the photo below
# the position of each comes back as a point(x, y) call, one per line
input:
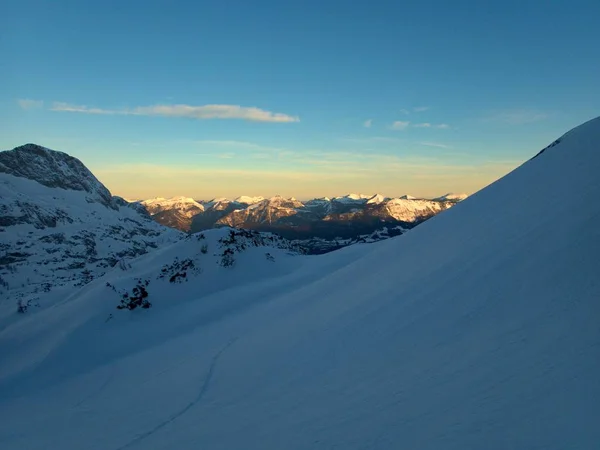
point(368, 123)
point(518, 117)
point(202, 112)
point(435, 144)
point(400, 125)
point(26, 103)
point(405, 111)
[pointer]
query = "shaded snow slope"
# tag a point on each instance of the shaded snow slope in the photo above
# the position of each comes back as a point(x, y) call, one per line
point(478, 329)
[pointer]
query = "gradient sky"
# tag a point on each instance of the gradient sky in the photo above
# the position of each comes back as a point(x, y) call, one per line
point(308, 98)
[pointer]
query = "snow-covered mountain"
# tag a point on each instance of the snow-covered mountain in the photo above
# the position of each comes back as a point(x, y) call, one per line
point(477, 329)
point(450, 197)
point(60, 227)
point(54, 170)
point(345, 218)
point(176, 212)
point(267, 212)
point(244, 199)
point(187, 206)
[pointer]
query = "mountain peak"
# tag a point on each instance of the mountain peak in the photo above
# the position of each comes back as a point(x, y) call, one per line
point(376, 199)
point(249, 200)
point(451, 197)
point(52, 169)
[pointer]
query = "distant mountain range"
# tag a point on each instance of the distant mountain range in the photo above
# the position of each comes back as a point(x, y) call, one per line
point(345, 217)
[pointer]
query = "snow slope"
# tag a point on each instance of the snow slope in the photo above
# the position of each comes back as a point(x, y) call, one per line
point(478, 329)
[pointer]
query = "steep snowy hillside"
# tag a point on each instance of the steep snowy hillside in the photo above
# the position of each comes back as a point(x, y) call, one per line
point(476, 330)
point(62, 228)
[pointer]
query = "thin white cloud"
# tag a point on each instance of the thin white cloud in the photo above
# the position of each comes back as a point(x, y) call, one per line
point(405, 111)
point(202, 112)
point(442, 126)
point(368, 123)
point(434, 144)
point(26, 103)
point(61, 106)
point(420, 108)
point(399, 125)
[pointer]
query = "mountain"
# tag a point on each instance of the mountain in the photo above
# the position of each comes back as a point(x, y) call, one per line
point(348, 218)
point(214, 210)
point(60, 227)
point(267, 212)
point(244, 199)
point(476, 329)
point(450, 197)
point(54, 170)
point(176, 212)
point(344, 218)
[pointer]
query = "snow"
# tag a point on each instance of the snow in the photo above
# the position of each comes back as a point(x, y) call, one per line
point(412, 210)
point(452, 197)
point(185, 205)
point(218, 204)
point(376, 199)
point(353, 198)
point(59, 238)
point(477, 329)
point(216, 201)
point(249, 200)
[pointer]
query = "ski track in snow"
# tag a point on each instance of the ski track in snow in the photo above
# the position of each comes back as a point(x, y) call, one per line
point(98, 391)
point(194, 402)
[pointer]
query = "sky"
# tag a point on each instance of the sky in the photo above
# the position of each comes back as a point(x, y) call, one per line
point(306, 99)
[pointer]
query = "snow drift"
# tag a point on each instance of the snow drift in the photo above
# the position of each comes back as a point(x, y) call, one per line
point(478, 329)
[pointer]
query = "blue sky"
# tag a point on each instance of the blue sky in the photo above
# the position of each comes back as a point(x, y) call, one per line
point(311, 98)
